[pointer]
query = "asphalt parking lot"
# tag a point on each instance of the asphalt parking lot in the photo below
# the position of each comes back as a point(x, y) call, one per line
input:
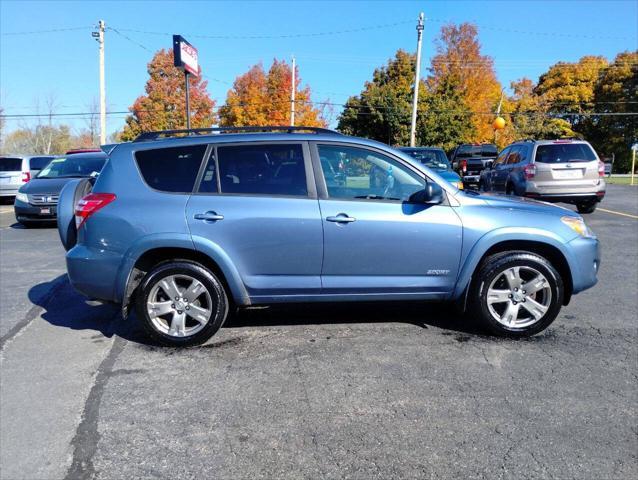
point(363, 391)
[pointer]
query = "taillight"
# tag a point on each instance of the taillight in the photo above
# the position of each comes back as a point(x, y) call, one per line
point(91, 204)
point(601, 169)
point(463, 166)
point(530, 170)
point(26, 176)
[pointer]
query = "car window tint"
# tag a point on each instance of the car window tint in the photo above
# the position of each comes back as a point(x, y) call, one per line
point(10, 164)
point(368, 175)
point(38, 163)
point(501, 158)
point(514, 156)
point(276, 169)
point(171, 169)
point(564, 153)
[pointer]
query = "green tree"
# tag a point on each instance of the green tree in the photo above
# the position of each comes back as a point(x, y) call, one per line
point(382, 110)
point(164, 105)
point(616, 93)
point(443, 117)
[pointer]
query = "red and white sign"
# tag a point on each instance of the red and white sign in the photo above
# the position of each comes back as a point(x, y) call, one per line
point(185, 55)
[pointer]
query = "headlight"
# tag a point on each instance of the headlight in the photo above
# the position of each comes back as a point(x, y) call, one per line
point(22, 197)
point(458, 184)
point(577, 224)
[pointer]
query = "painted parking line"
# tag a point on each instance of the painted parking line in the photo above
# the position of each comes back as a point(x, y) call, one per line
point(618, 213)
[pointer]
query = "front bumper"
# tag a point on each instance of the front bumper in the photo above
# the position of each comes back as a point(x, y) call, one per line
point(584, 262)
point(25, 212)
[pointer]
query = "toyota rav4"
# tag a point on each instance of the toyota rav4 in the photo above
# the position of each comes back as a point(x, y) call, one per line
point(188, 228)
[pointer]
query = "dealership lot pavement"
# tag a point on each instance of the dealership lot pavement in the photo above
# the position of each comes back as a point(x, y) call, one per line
point(367, 391)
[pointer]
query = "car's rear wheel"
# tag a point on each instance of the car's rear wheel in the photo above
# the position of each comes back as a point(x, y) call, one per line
point(181, 304)
point(586, 207)
point(517, 294)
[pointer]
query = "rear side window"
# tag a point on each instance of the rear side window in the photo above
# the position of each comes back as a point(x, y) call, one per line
point(564, 153)
point(171, 169)
point(277, 169)
point(10, 164)
point(38, 163)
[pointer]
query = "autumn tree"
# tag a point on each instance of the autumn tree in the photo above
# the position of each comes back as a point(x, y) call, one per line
point(567, 89)
point(443, 119)
point(616, 94)
point(382, 110)
point(163, 106)
point(458, 54)
point(263, 98)
point(528, 114)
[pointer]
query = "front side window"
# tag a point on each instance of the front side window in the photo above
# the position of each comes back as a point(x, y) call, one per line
point(358, 173)
point(276, 169)
point(502, 157)
point(171, 169)
point(515, 156)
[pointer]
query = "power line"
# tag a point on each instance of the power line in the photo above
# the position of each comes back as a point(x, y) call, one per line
point(129, 39)
point(53, 30)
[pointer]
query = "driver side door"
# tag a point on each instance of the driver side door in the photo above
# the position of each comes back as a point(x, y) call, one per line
point(375, 240)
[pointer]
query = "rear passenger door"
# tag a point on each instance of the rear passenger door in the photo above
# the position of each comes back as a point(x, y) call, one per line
point(257, 203)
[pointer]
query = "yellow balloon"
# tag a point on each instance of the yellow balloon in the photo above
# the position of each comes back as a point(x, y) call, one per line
point(499, 123)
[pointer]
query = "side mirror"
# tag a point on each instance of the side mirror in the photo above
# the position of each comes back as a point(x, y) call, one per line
point(431, 194)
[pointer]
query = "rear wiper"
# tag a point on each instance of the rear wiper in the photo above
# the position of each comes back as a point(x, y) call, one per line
point(375, 197)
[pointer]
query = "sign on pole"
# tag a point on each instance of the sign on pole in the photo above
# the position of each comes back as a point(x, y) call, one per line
point(185, 57)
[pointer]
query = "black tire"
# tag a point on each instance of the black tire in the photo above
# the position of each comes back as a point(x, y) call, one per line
point(218, 298)
point(70, 195)
point(509, 189)
point(588, 207)
point(27, 224)
point(491, 269)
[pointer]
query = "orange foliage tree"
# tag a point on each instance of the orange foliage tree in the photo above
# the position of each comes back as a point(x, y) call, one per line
point(459, 55)
point(263, 98)
point(164, 105)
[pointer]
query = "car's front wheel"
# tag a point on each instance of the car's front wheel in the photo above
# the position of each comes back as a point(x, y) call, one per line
point(517, 294)
point(181, 304)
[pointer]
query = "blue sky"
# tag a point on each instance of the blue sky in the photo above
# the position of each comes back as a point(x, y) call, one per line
point(523, 37)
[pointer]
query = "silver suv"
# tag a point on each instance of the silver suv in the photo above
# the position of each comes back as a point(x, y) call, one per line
point(16, 170)
point(550, 170)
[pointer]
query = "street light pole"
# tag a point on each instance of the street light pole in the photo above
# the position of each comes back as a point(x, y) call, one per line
point(292, 95)
point(417, 75)
point(188, 102)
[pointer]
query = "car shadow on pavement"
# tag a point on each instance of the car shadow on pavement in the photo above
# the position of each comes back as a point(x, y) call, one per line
point(64, 307)
point(420, 314)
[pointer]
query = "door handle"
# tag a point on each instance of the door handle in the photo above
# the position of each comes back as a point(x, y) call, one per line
point(208, 216)
point(341, 218)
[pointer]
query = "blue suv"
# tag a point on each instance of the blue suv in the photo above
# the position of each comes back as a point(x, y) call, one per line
point(187, 228)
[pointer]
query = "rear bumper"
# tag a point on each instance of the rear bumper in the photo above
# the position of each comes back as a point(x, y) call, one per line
point(585, 263)
point(567, 197)
point(9, 191)
point(93, 272)
point(29, 213)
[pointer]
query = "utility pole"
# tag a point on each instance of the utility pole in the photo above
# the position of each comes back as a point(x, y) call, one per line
point(99, 36)
point(417, 77)
point(188, 102)
point(292, 94)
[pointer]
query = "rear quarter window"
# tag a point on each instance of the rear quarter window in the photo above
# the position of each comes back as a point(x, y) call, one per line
point(171, 169)
point(564, 153)
point(8, 164)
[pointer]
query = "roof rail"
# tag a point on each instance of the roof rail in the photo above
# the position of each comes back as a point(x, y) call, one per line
point(143, 137)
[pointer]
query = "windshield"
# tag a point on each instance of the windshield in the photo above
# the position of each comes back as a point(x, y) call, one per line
point(433, 158)
point(74, 166)
point(466, 151)
point(10, 164)
point(564, 153)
